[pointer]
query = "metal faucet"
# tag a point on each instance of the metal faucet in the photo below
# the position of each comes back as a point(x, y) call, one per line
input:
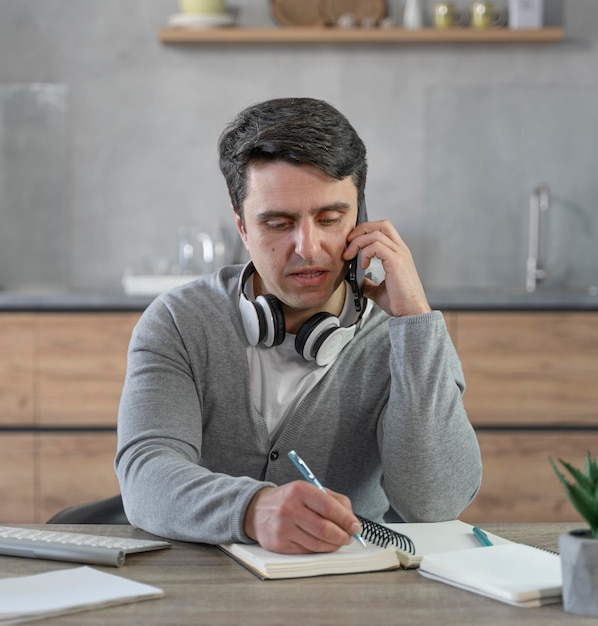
point(539, 201)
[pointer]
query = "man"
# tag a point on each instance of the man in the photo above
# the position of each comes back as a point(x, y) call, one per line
point(228, 374)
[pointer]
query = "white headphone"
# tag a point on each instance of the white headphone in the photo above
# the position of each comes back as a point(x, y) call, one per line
point(321, 337)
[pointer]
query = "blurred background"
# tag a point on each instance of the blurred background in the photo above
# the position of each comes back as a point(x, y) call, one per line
point(108, 140)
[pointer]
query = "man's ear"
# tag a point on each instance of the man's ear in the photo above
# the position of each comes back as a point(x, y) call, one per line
point(240, 228)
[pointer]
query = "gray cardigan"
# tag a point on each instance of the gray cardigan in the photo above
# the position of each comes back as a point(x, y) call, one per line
point(385, 426)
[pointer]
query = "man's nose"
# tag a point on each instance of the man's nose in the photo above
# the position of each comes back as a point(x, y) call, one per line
point(307, 241)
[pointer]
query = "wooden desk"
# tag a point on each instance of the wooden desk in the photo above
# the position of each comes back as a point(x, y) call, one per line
point(205, 587)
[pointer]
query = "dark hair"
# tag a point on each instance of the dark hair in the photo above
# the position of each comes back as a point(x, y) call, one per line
point(294, 130)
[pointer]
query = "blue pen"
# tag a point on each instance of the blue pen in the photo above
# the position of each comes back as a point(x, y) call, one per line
point(301, 465)
point(482, 536)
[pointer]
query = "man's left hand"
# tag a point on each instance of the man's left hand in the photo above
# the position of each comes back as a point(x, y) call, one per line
point(401, 292)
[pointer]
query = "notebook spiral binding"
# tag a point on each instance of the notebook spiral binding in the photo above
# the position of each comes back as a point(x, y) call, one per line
point(384, 537)
point(555, 552)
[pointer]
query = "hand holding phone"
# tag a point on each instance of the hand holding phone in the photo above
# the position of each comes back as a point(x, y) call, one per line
point(400, 293)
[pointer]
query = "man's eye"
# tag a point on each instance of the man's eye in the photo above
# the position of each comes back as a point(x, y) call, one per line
point(329, 220)
point(277, 224)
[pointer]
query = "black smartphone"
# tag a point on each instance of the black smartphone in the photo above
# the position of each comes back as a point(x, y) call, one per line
point(355, 276)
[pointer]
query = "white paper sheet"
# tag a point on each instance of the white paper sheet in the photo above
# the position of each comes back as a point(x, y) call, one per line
point(26, 598)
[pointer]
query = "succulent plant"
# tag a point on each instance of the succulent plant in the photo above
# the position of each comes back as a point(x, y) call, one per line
point(583, 493)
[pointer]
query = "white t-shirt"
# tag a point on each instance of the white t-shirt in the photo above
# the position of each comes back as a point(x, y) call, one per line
point(280, 376)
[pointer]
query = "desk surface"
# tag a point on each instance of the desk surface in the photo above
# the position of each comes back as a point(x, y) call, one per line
point(203, 586)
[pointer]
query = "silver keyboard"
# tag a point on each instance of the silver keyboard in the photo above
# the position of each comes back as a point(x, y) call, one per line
point(34, 543)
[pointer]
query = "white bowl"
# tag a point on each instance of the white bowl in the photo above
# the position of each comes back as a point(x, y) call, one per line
point(137, 285)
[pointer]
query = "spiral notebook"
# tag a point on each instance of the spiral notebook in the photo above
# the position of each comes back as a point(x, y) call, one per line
point(517, 574)
point(389, 547)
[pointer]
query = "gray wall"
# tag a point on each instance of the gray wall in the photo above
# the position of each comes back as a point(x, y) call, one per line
point(108, 140)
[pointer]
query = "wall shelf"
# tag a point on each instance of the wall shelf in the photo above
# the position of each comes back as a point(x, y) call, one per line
point(318, 35)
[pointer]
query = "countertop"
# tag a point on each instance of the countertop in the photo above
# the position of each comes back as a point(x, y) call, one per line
point(513, 299)
point(445, 299)
point(71, 301)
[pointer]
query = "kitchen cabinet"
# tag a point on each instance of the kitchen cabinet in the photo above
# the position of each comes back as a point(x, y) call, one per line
point(81, 364)
point(62, 375)
point(16, 369)
point(42, 473)
point(519, 484)
point(323, 35)
point(74, 467)
point(531, 393)
point(17, 480)
point(530, 368)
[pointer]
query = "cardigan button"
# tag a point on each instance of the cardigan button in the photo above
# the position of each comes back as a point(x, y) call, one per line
point(274, 455)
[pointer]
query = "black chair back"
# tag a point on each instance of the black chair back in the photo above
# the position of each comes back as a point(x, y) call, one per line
point(106, 511)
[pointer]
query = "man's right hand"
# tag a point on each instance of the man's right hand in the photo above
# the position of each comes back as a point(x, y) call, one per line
point(298, 518)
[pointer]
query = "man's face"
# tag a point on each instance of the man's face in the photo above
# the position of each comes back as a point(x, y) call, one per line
point(296, 224)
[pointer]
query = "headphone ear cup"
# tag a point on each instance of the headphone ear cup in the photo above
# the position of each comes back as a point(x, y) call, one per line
point(253, 319)
point(322, 338)
point(262, 318)
point(331, 343)
point(273, 318)
point(311, 330)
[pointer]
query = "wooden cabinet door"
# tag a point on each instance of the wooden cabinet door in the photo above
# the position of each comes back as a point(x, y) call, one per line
point(81, 366)
point(81, 369)
point(451, 320)
point(61, 370)
point(74, 468)
point(530, 368)
point(518, 483)
point(17, 482)
point(16, 370)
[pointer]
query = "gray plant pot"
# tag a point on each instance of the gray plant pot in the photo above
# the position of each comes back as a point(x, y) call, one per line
point(579, 563)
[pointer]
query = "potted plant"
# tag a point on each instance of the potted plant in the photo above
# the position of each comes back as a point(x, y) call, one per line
point(579, 548)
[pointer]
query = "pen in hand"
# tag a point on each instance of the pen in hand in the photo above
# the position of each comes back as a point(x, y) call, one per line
point(301, 465)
